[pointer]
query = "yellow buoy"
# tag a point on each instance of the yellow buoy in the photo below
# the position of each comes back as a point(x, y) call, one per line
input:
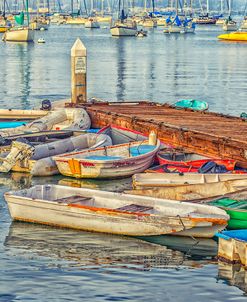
point(152, 138)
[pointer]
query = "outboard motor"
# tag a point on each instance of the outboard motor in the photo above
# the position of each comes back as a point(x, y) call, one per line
point(46, 105)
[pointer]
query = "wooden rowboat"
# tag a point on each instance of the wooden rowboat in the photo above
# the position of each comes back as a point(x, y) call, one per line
point(115, 213)
point(156, 180)
point(193, 192)
point(110, 162)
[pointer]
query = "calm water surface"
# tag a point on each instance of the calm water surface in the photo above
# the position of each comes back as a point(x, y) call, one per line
point(40, 263)
point(160, 68)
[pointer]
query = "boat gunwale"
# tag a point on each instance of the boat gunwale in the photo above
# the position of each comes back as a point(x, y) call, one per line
point(68, 157)
point(153, 200)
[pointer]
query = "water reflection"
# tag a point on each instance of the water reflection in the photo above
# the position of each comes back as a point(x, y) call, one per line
point(121, 68)
point(18, 180)
point(233, 274)
point(92, 250)
point(18, 72)
point(160, 67)
point(201, 247)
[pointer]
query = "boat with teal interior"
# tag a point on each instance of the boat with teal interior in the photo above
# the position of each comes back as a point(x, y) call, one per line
point(11, 124)
point(192, 104)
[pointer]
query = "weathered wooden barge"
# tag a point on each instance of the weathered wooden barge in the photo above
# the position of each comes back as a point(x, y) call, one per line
point(206, 133)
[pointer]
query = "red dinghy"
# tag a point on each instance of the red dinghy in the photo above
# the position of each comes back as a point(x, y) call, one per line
point(183, 161)
point(184, 168)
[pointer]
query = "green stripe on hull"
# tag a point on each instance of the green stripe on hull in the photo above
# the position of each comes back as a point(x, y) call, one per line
point(237, 210)
point(235, 224)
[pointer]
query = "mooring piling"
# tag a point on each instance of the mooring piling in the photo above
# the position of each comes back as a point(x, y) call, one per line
point(78, 73)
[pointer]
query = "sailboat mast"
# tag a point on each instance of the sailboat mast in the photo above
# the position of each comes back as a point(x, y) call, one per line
point(119, 8)
point(91, 6)
point(153, 5)
point(102, 7)
point(221, 6)
point(72, 7)
point(85, 5)
point(27, 12)
point(48, 6)
point(207, 6)
point(4, 8)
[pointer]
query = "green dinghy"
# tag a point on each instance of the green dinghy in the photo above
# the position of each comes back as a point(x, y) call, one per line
point(192, 104)
point(236, 209)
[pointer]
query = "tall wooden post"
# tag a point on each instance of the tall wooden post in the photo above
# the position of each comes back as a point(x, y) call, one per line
point(78, 73)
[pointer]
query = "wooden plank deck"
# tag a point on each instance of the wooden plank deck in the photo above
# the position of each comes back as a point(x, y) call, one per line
point(206, 133)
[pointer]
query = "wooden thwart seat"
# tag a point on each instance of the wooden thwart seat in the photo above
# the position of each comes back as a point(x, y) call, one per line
point(75, 199)
point(134, 208)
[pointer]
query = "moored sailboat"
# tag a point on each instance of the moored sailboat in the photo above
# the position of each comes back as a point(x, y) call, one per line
point(229, 23)
point(123, 26)
point(20, 33)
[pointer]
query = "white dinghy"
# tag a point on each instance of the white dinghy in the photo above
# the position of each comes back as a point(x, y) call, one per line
point(159, 180)
point(39, 161)
point(62, 119)
point(110, 162)
point(114, 213)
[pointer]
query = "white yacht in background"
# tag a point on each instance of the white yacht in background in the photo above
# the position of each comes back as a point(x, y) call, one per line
point(123, 26)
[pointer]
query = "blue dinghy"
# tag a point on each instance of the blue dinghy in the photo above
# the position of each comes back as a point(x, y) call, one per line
point(11, 124)
point(233, 246)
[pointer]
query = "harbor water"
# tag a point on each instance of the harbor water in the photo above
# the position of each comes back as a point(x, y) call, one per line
point(41, 263)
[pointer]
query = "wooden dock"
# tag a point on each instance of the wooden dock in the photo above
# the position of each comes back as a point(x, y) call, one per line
point(206, 133)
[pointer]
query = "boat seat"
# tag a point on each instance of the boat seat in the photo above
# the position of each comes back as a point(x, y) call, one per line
point(134, 208)
point(76, 199)
point(102, 157)
point(141, 149)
